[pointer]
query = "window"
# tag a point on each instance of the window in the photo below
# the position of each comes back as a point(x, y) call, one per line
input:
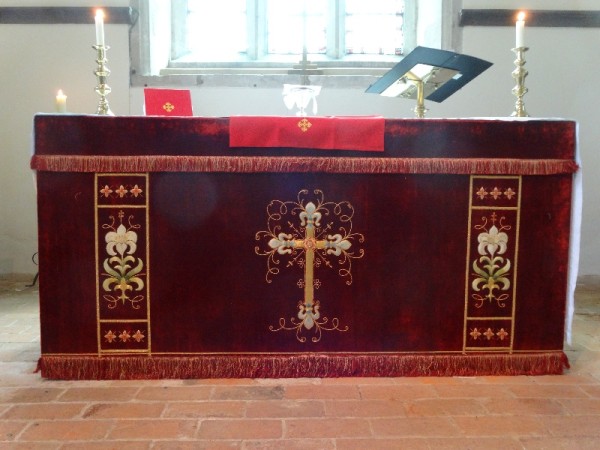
point(267, 31)
point(259, 37)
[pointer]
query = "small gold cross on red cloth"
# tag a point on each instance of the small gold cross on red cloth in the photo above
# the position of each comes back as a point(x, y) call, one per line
point(304, 125)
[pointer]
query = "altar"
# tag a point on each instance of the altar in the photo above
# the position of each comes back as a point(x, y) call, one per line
point(259, 247)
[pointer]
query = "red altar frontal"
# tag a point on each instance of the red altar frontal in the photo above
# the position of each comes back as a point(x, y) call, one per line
point(302, 247)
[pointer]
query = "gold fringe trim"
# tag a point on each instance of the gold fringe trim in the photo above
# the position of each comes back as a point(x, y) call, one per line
point(257, 164)
point(135, 367)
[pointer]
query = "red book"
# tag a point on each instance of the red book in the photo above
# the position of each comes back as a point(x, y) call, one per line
point(168, 102)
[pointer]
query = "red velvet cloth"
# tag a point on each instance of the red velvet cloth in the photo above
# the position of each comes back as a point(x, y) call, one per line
point(202, 293)
point(327, 133)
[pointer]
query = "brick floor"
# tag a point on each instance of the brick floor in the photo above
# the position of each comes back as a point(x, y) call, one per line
point(544, 412)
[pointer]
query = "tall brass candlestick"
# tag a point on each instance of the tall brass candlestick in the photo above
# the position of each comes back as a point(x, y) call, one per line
point(519, 75)
point(102, 72)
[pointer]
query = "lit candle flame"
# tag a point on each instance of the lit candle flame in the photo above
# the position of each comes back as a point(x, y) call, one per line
point(61, 102)
point(520, 28)
point(99, 19)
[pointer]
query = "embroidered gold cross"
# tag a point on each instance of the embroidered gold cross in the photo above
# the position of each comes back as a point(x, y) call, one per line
point(310, 217)
point(304, 125)
point(309, 247)
point(168, 107)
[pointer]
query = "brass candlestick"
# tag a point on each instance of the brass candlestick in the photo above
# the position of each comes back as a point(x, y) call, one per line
point(519, 75)
point(102, 72)
point(420, 108)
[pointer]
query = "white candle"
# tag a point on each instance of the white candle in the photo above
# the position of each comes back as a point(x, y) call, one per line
point(520, 29)
point(99, 27)
point(61, 102)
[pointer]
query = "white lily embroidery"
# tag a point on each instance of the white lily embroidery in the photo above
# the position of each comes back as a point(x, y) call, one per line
point(492, 241)
point(121, 241)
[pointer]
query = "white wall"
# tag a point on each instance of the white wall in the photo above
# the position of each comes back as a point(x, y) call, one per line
point(36, 61)
point(562, 64)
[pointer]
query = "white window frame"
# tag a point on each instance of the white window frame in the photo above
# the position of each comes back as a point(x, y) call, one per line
point(151, 45)
point(256, 36)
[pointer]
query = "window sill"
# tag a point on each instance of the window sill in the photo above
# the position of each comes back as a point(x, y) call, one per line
point(350, 78)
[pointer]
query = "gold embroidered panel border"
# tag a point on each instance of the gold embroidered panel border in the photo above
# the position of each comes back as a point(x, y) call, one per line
point(122, 263)
point(491, 267)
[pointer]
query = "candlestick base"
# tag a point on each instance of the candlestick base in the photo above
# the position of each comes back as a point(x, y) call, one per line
point(102, 73)
point(519, 74)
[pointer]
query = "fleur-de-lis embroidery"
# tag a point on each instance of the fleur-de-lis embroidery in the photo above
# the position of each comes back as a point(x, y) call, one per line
point(138, 336)
point(124, 336)
point(496, 193)
point(509, 193)
point(489, 334)
point(106, 191)
point(136, 191)
point(502, 334)
point(121, 191)
point(481, 193)
point(475, 333)
point(110, 336)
